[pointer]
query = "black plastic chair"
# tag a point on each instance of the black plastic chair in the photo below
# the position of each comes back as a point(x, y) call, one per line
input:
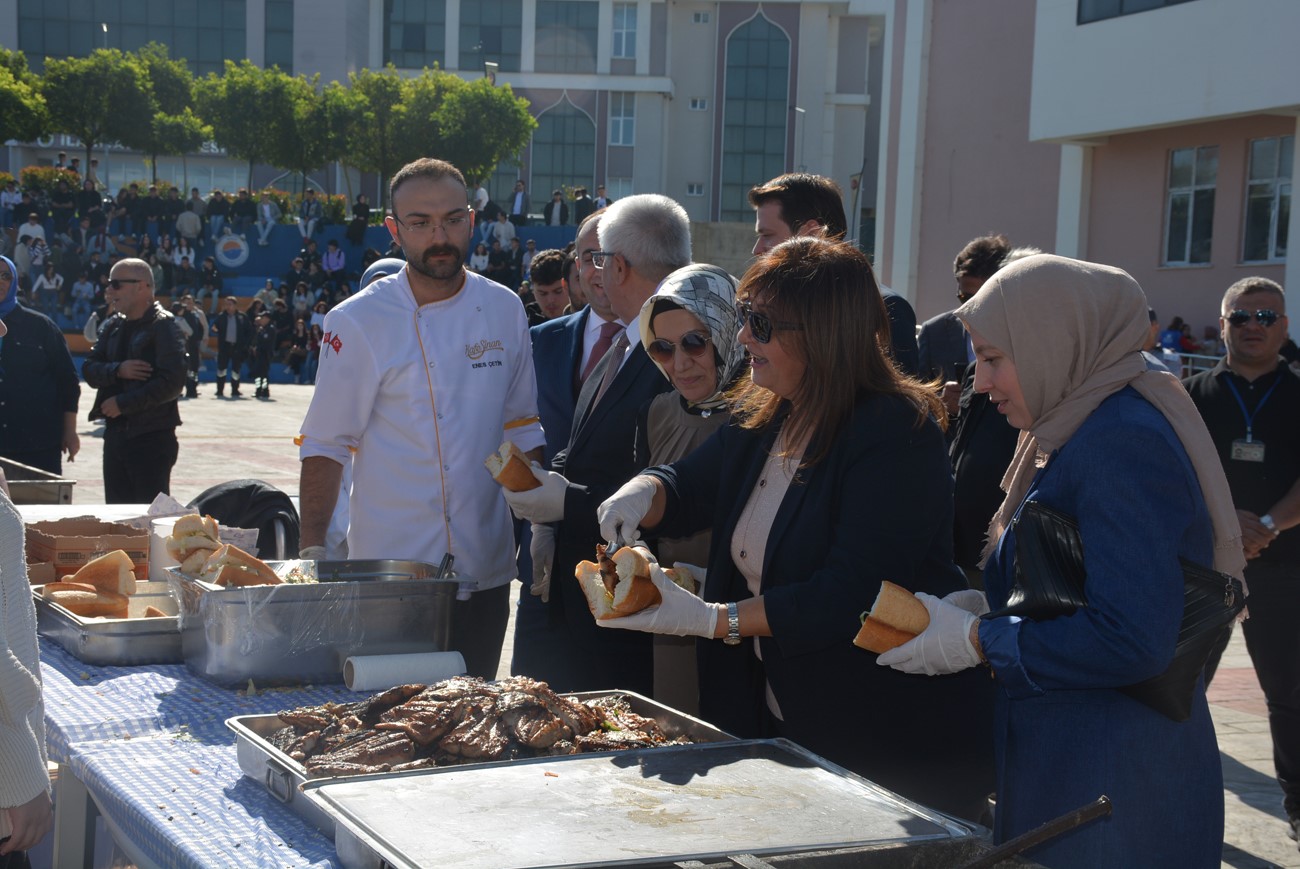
point(255, 504)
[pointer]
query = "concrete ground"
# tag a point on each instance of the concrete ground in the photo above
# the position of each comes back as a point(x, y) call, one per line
point(227, 439)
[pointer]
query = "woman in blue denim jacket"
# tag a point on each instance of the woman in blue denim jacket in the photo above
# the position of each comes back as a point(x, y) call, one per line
point(1122, 449)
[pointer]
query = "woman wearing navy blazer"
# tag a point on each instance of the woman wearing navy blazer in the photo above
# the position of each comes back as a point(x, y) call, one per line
point(832, 477)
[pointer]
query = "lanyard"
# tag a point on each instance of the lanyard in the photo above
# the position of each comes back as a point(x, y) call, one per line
point(1250, 416)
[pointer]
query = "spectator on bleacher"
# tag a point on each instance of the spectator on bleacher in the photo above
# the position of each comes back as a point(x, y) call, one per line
point(183, 251)
point(147, 247)
point(268, 215)
point(283, 321)
point(299, 338)
point(32, 228)
point(47, 289)
point(80, 234)
point(185, 278)
point(171, 209)
point(478, 260)
point(63, 205)
point(267, 295)
point(333, 262)
point(210, 274)
point(161, 280)
point(243, 213)
point(218, 212)
point(119, 215)
point(301, 299)
point(309, 214)
point(318, 312)
point(90, 204)
point(198, 206)
point(297, 273)
point(360, 220)
point(9, 200)
point(309, 253)
point(83, 294)
point(189, 225)
point(341, 292)
point(166, 253)
point(314, 338)
point(152, 210)
point(37, 253)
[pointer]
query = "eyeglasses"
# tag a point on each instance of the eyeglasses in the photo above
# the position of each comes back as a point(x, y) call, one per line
point(118, 283)
point(693, 344)
point(1264, 316)
point(453, 223)
point(761, 325)
point(600, 257)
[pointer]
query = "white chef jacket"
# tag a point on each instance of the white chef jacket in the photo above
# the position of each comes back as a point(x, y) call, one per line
point(420, 396)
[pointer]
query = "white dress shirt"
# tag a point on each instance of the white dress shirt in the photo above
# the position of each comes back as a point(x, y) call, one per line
point(419, 396)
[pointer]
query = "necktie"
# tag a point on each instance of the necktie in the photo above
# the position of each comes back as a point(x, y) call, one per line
point(614, 361)
point(600, 348)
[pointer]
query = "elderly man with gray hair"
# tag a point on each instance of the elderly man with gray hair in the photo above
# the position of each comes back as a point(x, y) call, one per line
point(642, 239)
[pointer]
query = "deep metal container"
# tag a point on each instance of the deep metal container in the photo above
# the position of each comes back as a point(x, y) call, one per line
point(107, 642)
point(282, 776)
point(28, 485)
point(295, 634)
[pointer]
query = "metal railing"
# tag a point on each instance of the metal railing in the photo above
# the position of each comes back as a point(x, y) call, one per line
point(1194, 363)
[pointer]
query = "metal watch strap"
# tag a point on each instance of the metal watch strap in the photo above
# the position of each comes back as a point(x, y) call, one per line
point(1267, 521)
point(733, 625)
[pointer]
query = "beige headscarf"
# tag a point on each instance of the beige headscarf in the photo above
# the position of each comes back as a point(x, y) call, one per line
point(1074, 331)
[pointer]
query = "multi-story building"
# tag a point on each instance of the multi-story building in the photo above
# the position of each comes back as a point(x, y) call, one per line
point(1156, 135)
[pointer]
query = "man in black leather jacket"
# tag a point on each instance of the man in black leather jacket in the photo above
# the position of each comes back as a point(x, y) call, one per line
point(138, 368)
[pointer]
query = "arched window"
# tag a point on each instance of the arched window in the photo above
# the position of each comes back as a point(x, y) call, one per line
point(564, 152)
point(756, 109)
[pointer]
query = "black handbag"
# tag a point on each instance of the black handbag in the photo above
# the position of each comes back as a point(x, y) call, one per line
point(1049, 582)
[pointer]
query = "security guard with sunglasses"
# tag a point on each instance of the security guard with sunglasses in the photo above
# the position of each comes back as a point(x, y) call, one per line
point(1251, 404)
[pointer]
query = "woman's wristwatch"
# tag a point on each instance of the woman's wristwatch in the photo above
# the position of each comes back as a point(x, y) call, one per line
point(733, 625)
point(1267, 521)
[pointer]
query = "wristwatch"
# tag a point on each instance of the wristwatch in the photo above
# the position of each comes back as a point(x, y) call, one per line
point(733, 625)
point(1267, 521)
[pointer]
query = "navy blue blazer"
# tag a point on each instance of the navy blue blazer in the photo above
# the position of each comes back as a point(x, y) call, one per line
point(878, 507)
point(557, 353)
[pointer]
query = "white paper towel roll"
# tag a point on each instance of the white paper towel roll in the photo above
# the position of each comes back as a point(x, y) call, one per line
point(159, 558)
point(378, 672)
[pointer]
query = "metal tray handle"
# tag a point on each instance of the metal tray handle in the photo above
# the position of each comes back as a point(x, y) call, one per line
point(279, 782)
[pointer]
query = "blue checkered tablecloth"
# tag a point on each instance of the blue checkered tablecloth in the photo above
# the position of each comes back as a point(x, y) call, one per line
point(151, 745)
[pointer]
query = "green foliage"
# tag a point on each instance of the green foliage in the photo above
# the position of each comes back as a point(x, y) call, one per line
point(335, 208)
point(374, 126)
point(173, 127)
point(44, 179)
point(170, 81)
point(303, 144)
point(242, 107)
point(15, 62)
point(101, 98)
point(179, 134)
point(5, 178)
point(482, 126)
point(282, 198)
point(21, 105)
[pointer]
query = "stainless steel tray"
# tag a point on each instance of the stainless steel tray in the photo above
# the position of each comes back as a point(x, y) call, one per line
point(648, 807)
point(295, 634)
point(283, 776)
point(116, 642)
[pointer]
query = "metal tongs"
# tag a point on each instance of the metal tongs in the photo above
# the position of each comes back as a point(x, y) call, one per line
point(444, 566)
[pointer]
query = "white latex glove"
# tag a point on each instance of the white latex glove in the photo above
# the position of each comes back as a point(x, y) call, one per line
point(542, 551)
point(680, 613)
point(970, 599)
point(696, 572)
point(621, 513)
point(543, 504)
point(312, 553)
point(943, 647)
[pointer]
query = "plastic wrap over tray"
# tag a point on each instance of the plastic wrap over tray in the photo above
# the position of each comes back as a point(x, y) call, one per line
point(301, 632)
point(106, 642)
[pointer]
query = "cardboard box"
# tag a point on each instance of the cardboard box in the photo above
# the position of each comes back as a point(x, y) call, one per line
point(70, 543)
point(40, 572)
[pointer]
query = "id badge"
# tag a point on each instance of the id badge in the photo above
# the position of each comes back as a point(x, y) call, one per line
point(1247, 451)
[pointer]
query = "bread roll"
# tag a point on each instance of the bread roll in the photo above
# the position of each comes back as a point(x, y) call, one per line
point(50, 588)
point(152, 612)
point(233, 567)
point(192, 540)
point(91, 604)
point(511, 468)
point(110, 572)
point(682, 578)
point(896, 617)
point(622, 590)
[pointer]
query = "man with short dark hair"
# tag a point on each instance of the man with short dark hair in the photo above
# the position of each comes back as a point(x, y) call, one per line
point(583, 206)
point(945, 348)
point(556, 212)
point(804, 204)
point(546, 277)
point(234, 335)
point(138, 368)
point(309, 214)
point(518, 211)
point(243, 213)
point(193, 317)
point(1250, 402)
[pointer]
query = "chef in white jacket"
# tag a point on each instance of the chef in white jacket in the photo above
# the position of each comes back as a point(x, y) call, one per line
point(422, 375)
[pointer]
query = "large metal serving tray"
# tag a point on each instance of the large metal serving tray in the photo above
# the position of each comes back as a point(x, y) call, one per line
point(28, 485)
point(654, 807)
point(283, 776)
point(116, 642)
point(296, 634)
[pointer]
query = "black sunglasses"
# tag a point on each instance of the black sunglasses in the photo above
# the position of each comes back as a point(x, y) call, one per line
point(761, 325)
point(692, 343)
point(117, 283)
point(1264, 316)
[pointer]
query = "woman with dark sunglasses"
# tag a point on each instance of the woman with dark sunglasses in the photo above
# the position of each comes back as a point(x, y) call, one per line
point(688, 328)
point(832, 477)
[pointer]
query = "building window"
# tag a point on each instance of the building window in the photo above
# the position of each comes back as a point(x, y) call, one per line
point(1100, 10)
point(491, 30)
point(279, 34)
point(624, 30)
point(695, 188)
point(1189, 210)
point(205, 35)
point(566, 35)
point(618, 188)
point(756, 110)
point(622, 118)
point(564, 151)
point(699, 104)
point(700, 18)
point(1268, 199)
point(415, 33)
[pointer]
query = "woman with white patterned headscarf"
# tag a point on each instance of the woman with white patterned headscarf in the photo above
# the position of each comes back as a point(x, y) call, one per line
point(688, 328)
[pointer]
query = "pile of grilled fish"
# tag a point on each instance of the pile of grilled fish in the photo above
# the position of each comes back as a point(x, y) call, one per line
point(461, 720)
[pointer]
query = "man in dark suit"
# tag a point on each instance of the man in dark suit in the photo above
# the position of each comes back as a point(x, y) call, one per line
point(803, 204)
point(642, 239)
point(583, 205)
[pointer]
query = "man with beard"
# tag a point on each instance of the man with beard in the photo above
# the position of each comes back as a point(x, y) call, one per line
point(422, 374)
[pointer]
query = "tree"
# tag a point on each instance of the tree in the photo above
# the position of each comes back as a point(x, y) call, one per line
point(173, 127)
point(482, 125)
point(101, 98)
point(372, 135)
point(245, 108)
point(303, 143)
point(21, 103)
point(339, 106)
